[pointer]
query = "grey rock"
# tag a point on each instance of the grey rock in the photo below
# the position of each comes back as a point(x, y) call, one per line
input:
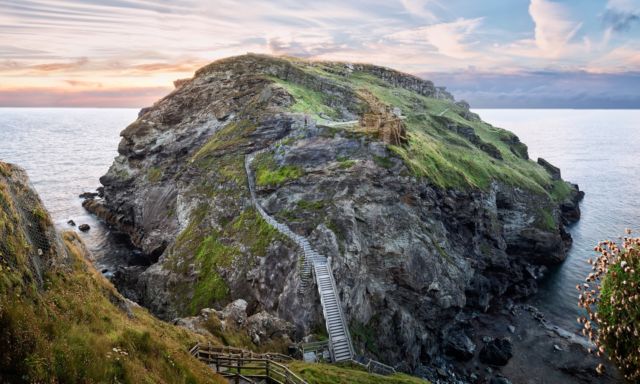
point(88, 195)
point(459, 346)
point(552, 169)
point(499, 380)
point(496, 352)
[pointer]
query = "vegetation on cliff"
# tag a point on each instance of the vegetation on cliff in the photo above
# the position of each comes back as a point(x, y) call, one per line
point(611, 296)
point(446, 143)
point(62, 321)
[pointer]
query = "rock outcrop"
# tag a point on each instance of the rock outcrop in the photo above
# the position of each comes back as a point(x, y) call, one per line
point(452, 220)
point(263, 330)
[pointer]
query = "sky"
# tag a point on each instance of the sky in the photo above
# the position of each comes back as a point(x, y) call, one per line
point(492, 53)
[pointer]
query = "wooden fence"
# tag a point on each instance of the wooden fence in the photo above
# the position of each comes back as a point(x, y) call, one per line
point(241, 366)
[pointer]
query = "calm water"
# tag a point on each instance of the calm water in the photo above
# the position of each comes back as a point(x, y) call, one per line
point(65, 151)
point(600, 151)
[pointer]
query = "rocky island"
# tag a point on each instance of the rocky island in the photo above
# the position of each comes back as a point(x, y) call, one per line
point(431, 219)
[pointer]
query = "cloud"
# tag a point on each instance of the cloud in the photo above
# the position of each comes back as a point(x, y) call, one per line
point(449, 39)
point(621, 15)
point(553, 27)
point(57, 67)
point(421, 8)
point(84, 84)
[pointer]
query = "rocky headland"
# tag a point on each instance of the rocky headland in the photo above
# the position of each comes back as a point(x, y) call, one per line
point(432, 219)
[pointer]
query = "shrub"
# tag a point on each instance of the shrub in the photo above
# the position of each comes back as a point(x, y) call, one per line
point(611, 297)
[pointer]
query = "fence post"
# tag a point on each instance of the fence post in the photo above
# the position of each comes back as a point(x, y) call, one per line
point(267, 370)
point(238, 371)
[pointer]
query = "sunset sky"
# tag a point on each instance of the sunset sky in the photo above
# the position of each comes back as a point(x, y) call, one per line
point(493, 52)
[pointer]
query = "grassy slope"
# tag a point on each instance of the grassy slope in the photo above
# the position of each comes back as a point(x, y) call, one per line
point(335, 374)
point(73, 328)
point(447, 159)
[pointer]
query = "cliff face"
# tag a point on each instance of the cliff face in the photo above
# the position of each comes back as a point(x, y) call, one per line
point(448, 219)
point(61, 321)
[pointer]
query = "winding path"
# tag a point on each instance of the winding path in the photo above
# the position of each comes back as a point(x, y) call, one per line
point(340, 340)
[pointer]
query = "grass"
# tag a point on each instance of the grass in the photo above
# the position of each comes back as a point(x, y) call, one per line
point(74, 327)
point(230, 137)
point(335, 374)
point(546, 219)
point(210, 286)
point(307, 101)
point(268, 173)
point(383, 162)
point(311, 205)
point(434, 152)
point(154, 174)
point(346, 163)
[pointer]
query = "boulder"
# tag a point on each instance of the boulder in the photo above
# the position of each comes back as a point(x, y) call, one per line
point(84, 227)
point(264, 327)
point(497, 352)
point(71, 223)
point(499, 380)
point(459, 346)
point(88, 195)
point(235, 312)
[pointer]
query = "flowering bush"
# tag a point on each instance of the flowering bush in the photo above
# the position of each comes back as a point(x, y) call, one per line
point(611, 297)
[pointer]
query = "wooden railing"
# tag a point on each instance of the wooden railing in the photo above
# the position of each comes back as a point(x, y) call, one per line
point(239, 365)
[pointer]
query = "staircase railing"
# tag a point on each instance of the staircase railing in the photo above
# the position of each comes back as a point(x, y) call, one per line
point(311, 259)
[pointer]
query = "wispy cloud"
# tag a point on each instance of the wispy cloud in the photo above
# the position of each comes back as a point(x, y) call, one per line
point(449, 39)
point(621, 15)
point(554, 27)
point(423, 9)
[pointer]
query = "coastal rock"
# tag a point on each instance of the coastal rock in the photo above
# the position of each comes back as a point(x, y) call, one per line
point(88, 195)
point(71, 223)
point(496, 352)
point(499, 380)
point(84, 227)
point(552, 169)
point(459, 346)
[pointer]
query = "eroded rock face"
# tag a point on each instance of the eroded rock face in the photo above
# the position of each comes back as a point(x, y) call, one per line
point(408, 256)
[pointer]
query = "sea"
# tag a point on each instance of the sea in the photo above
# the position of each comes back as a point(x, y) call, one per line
point(65, 151)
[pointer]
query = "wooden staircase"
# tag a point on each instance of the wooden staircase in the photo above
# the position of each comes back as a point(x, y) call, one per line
point(239, 366)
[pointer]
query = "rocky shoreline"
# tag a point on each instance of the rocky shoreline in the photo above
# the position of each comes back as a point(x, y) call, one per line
point(420, 267)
